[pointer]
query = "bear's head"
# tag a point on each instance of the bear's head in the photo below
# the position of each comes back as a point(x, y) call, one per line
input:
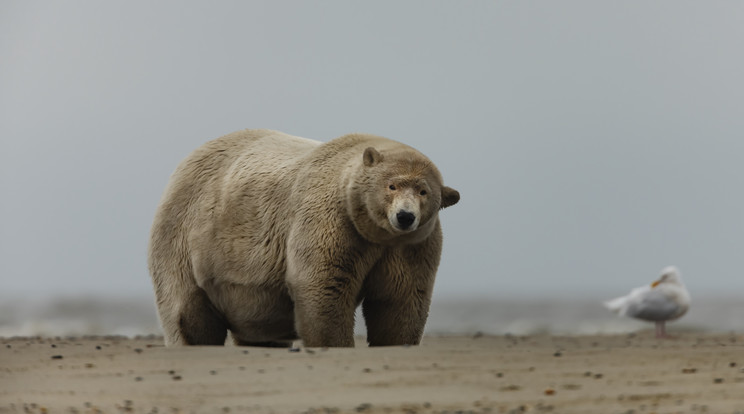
point(398, 193)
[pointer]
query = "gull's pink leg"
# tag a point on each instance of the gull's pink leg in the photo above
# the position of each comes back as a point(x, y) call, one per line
point(660, 329)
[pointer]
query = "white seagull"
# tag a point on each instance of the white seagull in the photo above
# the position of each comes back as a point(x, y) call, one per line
point(664, 300)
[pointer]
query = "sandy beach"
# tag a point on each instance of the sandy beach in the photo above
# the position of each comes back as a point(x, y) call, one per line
point(629, 373)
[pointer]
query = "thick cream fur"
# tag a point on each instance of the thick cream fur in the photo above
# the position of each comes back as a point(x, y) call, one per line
point(276, 237)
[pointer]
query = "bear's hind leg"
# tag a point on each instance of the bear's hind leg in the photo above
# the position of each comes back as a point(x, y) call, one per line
point(199, 323)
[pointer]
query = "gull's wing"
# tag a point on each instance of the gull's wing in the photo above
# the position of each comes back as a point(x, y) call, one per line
point(653, 305)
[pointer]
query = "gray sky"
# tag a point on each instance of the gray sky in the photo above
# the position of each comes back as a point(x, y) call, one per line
point(593, 143)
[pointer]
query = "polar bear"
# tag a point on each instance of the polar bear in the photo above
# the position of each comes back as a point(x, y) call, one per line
point(276, 238)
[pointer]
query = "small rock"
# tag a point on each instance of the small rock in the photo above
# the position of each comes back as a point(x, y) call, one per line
point(138, 350)
point(511, 387)
point(57, 356)
point(363, 407)
point(718, 381)
point(557, 354)
point(176, 378)
point(549, 391)
point(294, 349)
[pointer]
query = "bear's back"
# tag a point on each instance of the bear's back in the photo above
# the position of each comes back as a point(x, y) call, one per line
point(215, 175)
point(225, 162)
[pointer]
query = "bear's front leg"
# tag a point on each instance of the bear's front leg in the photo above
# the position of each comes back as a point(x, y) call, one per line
point(324, 316)
point(398, 294)
point(396, 322)
point(324, 285)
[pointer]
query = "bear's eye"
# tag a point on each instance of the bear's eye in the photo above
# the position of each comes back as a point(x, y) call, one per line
point(392, 187)
point(423, 192)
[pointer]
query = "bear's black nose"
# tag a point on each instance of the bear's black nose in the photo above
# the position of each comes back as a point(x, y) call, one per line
point(405, 219)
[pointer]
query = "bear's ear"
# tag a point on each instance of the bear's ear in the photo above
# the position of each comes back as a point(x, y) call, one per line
point(371, 157)
point(450, 197)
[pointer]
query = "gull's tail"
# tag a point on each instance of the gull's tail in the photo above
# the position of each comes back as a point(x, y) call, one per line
point(616, 305)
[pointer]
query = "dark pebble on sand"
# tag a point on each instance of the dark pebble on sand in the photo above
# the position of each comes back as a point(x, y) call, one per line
point(171, 372)
point(293, 349)
point(138, 379)
point(138, 350)
point(732, 364)
point(363, 407)
point(98, 347)
point(367, 370)
point(245, 352)
point(7, 346)
point(54, 345)
point(57, 357)
point(557, 354)
point(176, 378)
point(212, 372)
point(598, 376)
point(718, 381)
